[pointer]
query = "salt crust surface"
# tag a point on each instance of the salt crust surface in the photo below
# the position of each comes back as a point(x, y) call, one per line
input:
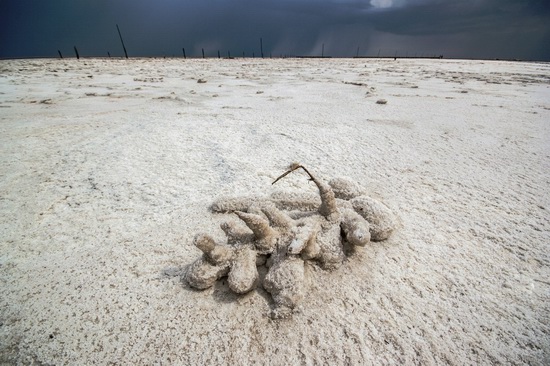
point(107, 169)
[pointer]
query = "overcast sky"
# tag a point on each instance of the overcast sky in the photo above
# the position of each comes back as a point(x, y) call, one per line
point(511, 29)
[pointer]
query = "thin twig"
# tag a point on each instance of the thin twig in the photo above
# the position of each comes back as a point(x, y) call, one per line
point(328, 206)
point(311, 177)
point(292, 168)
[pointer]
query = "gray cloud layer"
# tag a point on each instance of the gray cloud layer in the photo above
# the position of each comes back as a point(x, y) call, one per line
point(454, 28)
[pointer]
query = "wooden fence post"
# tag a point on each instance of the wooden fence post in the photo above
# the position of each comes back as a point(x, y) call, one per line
point(122, 41)
point(261, 48)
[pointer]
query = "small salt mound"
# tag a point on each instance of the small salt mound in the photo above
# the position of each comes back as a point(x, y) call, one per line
point(346, 188)
point(381, 220)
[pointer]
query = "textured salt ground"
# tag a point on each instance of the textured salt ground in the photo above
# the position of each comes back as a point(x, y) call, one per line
point(107, 168)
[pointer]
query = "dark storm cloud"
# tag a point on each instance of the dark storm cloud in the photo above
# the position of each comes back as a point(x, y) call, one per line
point(470, 28)
point(455, 28)
point(443, 17)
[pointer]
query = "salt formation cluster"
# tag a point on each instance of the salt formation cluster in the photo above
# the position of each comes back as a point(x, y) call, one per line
point(284, 231)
